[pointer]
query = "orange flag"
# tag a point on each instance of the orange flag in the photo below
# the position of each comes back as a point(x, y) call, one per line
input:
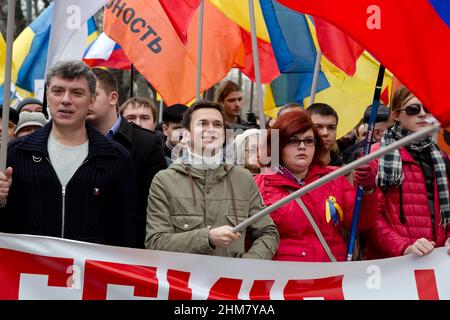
point(149, 40)
point(145, 33)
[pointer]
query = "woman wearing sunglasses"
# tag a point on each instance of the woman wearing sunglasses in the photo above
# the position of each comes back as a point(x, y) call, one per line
point(414, 202)
point(298, 151)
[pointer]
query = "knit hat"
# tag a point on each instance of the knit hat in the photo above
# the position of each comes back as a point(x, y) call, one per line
point(27, 119)
point(26, 101)
point(240, 138)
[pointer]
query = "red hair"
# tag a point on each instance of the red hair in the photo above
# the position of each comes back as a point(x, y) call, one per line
point(289, 124)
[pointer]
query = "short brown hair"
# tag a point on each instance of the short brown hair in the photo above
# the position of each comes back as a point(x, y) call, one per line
point(225, 89)
point(201, 104)
point(106, 79)
point(138, 102)
point(401, 98)
point(290, 123)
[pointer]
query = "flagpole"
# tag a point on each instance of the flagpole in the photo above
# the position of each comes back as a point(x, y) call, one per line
point(7, 82)
point(367, 146)
point(339, 172)
point(131, 80)
point(259, 98)
point(315, 77)
point(160, 114)
point(199, 51)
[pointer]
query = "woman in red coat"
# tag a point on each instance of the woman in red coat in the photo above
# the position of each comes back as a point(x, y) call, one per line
point(414, 202)
point(331, 205)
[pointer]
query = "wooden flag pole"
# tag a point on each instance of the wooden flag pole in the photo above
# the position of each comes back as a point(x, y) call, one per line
point(7, 83)
point(259, 97)
point(315, 77)
point(198, 82)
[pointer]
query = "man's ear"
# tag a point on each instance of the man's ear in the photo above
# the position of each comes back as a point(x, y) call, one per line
point(165, 127)
point(113, 98)
point(92, 100)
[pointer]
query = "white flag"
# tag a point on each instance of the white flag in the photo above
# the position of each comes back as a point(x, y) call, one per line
point(69, 32)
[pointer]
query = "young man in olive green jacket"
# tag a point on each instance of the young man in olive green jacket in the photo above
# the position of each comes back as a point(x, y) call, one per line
point(194, 204)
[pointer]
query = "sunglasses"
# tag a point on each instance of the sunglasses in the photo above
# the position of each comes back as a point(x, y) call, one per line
point(414, 109)
point(308, 141)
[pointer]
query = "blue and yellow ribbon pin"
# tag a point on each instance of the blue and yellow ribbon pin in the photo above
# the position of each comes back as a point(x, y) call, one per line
point(331, 206)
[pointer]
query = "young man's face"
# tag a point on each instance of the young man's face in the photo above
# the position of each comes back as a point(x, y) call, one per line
point(207, 132)
point(69, 101)
point(104, 104)
point(232, 104)
point(140, 116)
point(326, 125)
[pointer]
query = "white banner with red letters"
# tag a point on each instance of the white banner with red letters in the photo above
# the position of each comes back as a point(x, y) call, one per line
point(34, 267)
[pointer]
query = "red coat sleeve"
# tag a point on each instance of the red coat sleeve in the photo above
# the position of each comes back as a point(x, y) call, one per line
point(383, 237)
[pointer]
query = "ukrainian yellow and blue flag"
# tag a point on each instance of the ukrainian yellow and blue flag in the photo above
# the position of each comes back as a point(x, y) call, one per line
point(333, 210)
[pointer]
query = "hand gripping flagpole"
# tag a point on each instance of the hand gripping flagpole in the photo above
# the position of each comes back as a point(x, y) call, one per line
point(367, 146)
point(199, 51)
point(7, 83)
point(339, 172)
point(259, 98)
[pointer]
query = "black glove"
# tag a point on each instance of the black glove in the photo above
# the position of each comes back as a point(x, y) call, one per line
point(251, 119)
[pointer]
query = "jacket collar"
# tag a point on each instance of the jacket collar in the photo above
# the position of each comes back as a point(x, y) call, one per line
point(99, 145)
point(315, 172)
point(406, 156)
point(219, 172)
point(125, 130)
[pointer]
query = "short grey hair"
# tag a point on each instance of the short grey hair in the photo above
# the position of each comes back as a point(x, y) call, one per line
point(71, 69)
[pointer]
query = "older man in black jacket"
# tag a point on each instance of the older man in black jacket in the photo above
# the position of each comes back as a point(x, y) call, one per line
point(144, 146)
point(66, 179)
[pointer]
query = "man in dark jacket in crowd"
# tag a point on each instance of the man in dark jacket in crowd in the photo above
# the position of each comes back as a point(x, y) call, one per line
point(172, 128)
point(144, 146)
point(66, 179)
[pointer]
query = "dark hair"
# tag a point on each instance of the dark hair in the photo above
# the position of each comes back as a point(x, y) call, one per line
point(174, 113)
point(106, 79)
point(201, 104)
point(225, 89)
point(289, 124)
point(382, 113)
point(72, 69)
point(323, 109)
point(138, 102)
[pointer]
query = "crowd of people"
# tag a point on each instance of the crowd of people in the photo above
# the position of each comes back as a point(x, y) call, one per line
point(98, 172)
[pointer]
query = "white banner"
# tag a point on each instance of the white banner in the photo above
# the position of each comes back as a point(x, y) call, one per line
point(34, 267)
point(69, 32)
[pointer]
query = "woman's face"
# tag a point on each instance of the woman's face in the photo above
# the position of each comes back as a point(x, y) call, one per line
point(412, 116)
point(298, 153)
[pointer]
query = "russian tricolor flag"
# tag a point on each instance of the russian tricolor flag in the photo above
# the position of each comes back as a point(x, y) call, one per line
point(104, 52)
